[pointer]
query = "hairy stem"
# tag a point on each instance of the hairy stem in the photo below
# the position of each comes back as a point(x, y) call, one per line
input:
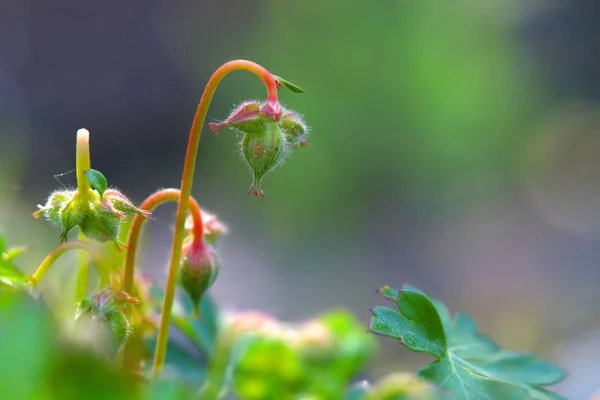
point(71, 245)
point(186, 189)
point(82, 164)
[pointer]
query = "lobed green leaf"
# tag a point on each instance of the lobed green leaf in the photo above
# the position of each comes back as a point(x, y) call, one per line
point(469, 364)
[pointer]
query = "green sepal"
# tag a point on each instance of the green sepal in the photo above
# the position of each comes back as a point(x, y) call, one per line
point(97, 181)
point(291, 86)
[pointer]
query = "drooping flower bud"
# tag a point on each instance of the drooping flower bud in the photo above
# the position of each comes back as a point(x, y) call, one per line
point(98, 217)
point(199, 270)
point(106, 308)
point(213, 228)
point(263, 151)
point(270, 130)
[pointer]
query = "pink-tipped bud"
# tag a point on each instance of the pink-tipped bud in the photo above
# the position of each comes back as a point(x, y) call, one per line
point(270, 130)
point(199, 270)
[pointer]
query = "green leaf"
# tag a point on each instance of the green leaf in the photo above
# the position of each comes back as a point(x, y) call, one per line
point(27, 345)
point(417, 325)
point(294, 88)
point(469, 364)
point(97, 180)
point(2, 244)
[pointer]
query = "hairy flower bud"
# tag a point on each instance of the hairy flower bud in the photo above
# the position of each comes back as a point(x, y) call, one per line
point(106, 308)
point(98, 217)
point(263, 151)
point(199, 270)
point(270, 130)
point(296, 131)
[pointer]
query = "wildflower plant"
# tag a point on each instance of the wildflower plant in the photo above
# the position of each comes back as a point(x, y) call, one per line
point(248, 354)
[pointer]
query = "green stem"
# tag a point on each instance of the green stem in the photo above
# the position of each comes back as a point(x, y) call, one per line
point(83, 161)
point(186, 189)
point(153, 201)
point(83, 271)
point(217, 369)
point(82, 164)
point(61, 249)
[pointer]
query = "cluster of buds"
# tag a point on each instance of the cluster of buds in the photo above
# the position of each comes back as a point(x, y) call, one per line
point(99, 216)
point(106, 308)
point(270, 131)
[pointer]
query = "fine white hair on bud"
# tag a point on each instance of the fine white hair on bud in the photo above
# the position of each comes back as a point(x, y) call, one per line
point(270, 131)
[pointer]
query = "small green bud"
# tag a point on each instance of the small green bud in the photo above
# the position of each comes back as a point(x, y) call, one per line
point(270, 130)
point(120, 327)
point(263, 151)
point(106, 308)
point(99, 218)
point(296, 131)
point(199, 270)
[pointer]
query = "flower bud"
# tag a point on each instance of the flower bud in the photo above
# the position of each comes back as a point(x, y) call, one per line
point(199, 270)
point(270, 130)
point(106, 308)
point(296, 131)
point(263, 151)
point(99, 218)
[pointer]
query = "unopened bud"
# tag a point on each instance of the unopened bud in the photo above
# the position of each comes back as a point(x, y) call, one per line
point(199, 270)
point(106, 308)
point(99, 218)
point(263, 151)
point(270, 130)
point(296, 131)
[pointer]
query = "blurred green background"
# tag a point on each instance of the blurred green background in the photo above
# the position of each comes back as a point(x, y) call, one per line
point(454, 146)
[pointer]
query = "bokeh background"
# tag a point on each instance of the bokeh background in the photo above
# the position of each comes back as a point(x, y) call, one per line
point(455, 147)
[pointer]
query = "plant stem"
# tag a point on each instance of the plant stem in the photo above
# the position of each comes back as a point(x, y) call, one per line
point(186, 189)
point(153, 201)
point(83, 271)
point(82, 164)
point(150, 204)
point(71, 245)
point(217, 369)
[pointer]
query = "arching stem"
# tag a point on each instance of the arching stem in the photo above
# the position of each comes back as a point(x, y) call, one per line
point(186, 188)
point(153, 201)
point(71, 245)
point(150, 204)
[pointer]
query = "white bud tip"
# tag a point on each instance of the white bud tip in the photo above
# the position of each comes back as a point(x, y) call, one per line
point(83, 132)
